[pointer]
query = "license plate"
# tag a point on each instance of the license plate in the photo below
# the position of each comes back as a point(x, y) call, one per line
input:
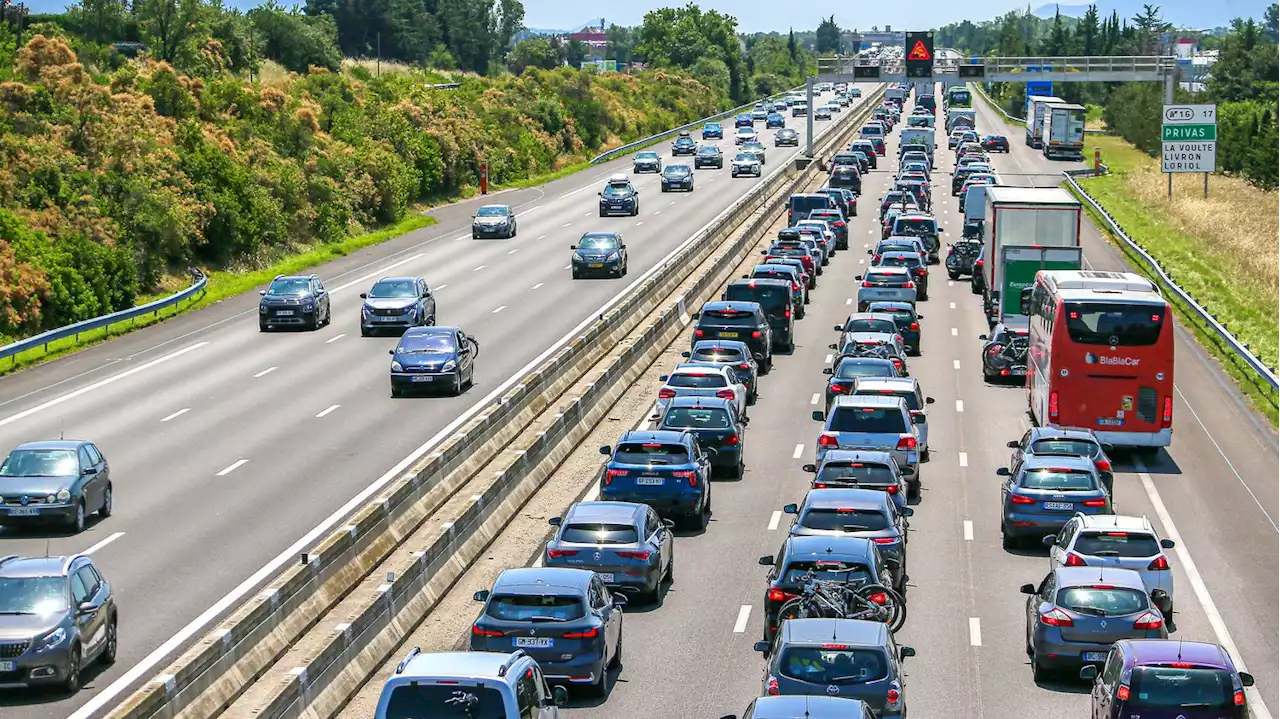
point(1059, 506)
point(606, 578)
point(650, 480)
point(534, 642)
point(1018, 371)
point(8, 666)
point(24, 512)
point(596, 265)
point(1110, 421)
point(1095, 656)
point(423, 378)
point(912, 458)
point(388, 319)
point(284, 313)
point(728, 334)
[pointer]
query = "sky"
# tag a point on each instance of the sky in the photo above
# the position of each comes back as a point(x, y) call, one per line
point(765, 15)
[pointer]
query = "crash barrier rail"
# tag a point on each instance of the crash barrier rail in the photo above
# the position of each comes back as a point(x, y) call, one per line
point(1020, 120)
point(1240, 348)
point(213, 674)
point(194, 292)
point(611, 154)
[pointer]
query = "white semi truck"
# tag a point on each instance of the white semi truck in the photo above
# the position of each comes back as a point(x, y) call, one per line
point(1035, 117)
point(1062, 131)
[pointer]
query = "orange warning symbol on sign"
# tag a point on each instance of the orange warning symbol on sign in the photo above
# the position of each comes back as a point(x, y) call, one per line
point(919, 52)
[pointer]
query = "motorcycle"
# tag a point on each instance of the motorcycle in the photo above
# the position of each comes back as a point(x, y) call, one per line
point(960, 258)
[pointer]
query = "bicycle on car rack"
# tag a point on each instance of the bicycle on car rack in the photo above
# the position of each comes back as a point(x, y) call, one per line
point(830, 599)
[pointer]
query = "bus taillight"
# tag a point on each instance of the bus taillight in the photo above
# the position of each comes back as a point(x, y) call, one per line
point(1053, 406)
point(1166, 417)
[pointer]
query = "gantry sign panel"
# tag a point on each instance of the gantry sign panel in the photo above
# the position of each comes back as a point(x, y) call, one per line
point(919, 54)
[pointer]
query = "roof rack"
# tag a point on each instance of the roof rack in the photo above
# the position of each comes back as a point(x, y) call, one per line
point(511, 660)
point(405, 662)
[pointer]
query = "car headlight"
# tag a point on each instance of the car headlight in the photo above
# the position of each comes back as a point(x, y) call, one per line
point(396, 367)
point(64, 495)
point(262, 309)
point(449, 366)
point(612, 256)
point(308, 307)
point(51, 640)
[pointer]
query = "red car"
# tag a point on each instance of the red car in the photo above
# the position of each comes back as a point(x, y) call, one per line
point(995, 143)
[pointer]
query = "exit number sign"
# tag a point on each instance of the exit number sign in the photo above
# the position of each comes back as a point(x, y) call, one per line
point(1189, 135)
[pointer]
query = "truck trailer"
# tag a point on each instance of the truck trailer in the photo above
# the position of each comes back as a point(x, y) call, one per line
point(1030, 218)
point(1035, 117)
point(1062, 132)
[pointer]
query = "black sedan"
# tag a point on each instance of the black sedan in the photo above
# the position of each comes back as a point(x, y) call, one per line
point(431, 358)
point(601, 254)
point(677, 177)
point(683, 146)
point(1004, 353)
point(708, 156)
point(786, 137)
point(995, 143)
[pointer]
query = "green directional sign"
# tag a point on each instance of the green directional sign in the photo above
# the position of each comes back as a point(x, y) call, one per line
point(1188, 133)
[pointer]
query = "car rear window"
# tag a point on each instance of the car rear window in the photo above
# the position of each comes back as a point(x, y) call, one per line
point(902, 318)
point(847, 520)
point(885, 277)
point(1117, 544)
point(871, 420)
point(802, 204)
point(872, 131)
point(698, 380)
point(696, 418)
point(524, 607)
point(870, 325)
point(1178, 688)
point(597, 533)
point(445, 701)
point(1074, 447)
point(827, 570)
point(852, 369)
point(650, 453)
point(730, 318)
point(1100, 323)
point(913, 401)
point(859, 472)
point(768, 297)
point(724, 354)
point(1102, 600)
point(826, 666)
point(1051, 479)
point(911, 226)
point(899, 261)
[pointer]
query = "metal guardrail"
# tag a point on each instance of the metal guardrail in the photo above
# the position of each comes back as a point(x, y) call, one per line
point(1268, 374)
point(74, 330)
point(611, 154)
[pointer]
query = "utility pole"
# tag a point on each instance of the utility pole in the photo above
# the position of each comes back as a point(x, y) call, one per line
point(379, 62)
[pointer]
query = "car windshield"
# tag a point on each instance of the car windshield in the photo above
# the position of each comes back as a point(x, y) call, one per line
point(868, 420)
point(696, 418)
point(846, 520)
point(1102, 600)
point(646, 155)
point(597, 533)
point(856, 367)
point(598, 242)
point(534, 607)
point(698, 380)
point(40, 463)
point(426, 343)
point(708, 150)
point(650, 453)
point(445, 701)
point(912, 400)
point(492, 211)
point(828, 666)
point(832, 571)
point(618, 190)
point(1103, 323)
point(290, 286)
point(33, 595)
point(1117, 544)
point(744, 157)
point(394, 288)
point(856, 472)
point(1058, 480)
point(677, 170)
point(730, 318)
point(1181, 688)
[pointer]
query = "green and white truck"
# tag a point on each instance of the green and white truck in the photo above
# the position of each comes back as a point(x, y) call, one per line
point(1027, 229)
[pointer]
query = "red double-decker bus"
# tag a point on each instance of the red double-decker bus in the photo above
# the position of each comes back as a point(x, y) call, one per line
point(1100, 356)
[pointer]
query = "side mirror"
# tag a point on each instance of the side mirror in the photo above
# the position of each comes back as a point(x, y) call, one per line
point(746, 277)
point(766, 560)
point(1166, 544)
point(1002, 472)
point(832, 347)
point(919, 317)
point(904, 652)
point(838, 328)
point(907, 512)
point(982, 337)
point(818, 416)
point(762, 647)
point(481, 596)
point(606, 450)
point(1089, 672)
point(1012, 444)
point(746, 420)
point(810, 468)
point(86, 608)
point(1048, 540)
point(686, 355)
point(694, 315)
point(858, 277)
point(619, 601)
point(868, 252)
point(559, 695)
point(663, 377)
point(928, 400)
point(600, 194)
point(669, 523)
point(262, 292)
point(790, 509)
point(554, 521)
point(622, 246)
point(391, 352)
point(364, 295)
point(1027, 589)
point(573, 247)
point(1246, 679)
point(764, 252)
point(828, 370)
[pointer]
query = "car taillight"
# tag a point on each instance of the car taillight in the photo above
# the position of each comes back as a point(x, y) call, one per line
point(558, 553)
point(692, 477)
point(1166, 417)
point(1053, 406)
point(666, 393)
point(1238, 697)
point(1100, 502)
point(915, 327)
point(978, 263)
point(1102, 465)
point(772, 689)
point(478, 632)
point(1021, 499)
point(875, 259)
point(867, 284)
point(725, 394)
point(787, 313)
point(908, 442)
point(884, 540)
point(795, 286)
point(1122, 693)
point(1149, 620)
point(697, 333)
point(641, 555)
point(839, 223)
point(892, 489)
point(828, 440)
point(778, 595)
point(756, 334)
point(920, 271)
point(908, 285)
point(743, 365)
point(1056, 618)
point(838, 387)
point(1075, 560)
point(591, 633)
point(1159, 564)
point(892, 696)
point(613, 474)
point(730, 440)
point(897, 364)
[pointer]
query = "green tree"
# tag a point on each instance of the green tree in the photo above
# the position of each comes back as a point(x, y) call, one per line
point(680, 37)
point(1149, 25)
point(1087, 31)
point(621, 44)
point(101, 21)
point(575, 53)
point(172, 29)
point(827, 41)
point(533, 52)
point(295, 40)
point(792, 48)
point(1271, 22)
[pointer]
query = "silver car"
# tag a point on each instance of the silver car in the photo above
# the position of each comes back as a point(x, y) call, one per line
point(864, 344)
point(908, 388)
point(873, 422)
point(1115, 540)
point(893, 284)
point(745, 163)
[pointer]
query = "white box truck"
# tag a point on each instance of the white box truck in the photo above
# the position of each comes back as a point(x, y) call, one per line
point(1035, 117)
point(1028, 217)
point(1062, 131)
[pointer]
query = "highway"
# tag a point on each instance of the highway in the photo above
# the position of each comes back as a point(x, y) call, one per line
point(1214, 492)
point(231, 450)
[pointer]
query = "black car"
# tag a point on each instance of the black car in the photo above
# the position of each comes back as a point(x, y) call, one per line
point(683, 146)
point(866, 147)
point(846, 176)
point(397, 303)
point(978, 281)
point(493, 221)
point(601, 254)
point(619, 197)
point(677, 177)
point(1004, 353)
point(294, 301)
point(786, 137)
point(842, 558)
point(792, 275)
point(430, 358)
point(741, 321)
point(995, 143)
point(962, 173)
point(743, 120)
point(715, 423)
point(708, 156)
point(777, 300)
point(913, 262)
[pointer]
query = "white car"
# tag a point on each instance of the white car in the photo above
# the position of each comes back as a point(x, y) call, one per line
point(834, 105)
point(745, 163)
point(1114, 540)
point(702, 381)
point(745, 134)
point(822, 226)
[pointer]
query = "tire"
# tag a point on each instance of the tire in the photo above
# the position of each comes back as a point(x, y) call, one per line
point(108, 501)
point(72, 683)
point(457, 385)
point(1039, 672)
point(741, 470)
point(76, 523)
point(395, 392)
point(599, 688)
point(262, 327)
point(603, 213)
point(328, 315)
point(314, 323)
point(576, 275)
point(913, 490)
point(108, 656)
point(476, 236)
point(1007, 541)
point(790, 347)
point(365, 332)
point(953, 275)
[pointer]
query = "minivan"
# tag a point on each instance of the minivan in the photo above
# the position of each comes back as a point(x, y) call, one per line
point(804, 203)
point(775, 297)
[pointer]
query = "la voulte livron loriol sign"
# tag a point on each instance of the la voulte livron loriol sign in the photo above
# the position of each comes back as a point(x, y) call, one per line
point(1189, 135)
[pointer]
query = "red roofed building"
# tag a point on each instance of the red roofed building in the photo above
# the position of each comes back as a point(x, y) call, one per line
point(593, 36)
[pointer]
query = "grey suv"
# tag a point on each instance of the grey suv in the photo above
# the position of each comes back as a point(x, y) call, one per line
point(57, 615)
point(294, 301)
point(469, 684)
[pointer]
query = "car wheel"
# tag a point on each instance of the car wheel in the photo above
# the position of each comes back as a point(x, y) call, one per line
point(790, 347)
point(76, 523)
point(108, 656)
point(457, 384)
point(602, 213)
point(576, 274)
point(1039, 672)
point(396, 391)
point(741, 470)
point(476, 236)
point(671, 568)
point(913, 489)
point(72, 683)
point(365, 332)
point(1007, 541)
point(313, 324)
point(800, 312)
point(987, 376)
point(600, 687)
point(953, 275)
point(107, 503)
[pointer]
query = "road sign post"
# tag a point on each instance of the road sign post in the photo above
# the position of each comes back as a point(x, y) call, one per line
point(1189, 140)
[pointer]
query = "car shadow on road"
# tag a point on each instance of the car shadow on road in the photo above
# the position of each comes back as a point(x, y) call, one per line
point(1063, 682)
point(49, 695)
point(46, 531)
point(1153, 463)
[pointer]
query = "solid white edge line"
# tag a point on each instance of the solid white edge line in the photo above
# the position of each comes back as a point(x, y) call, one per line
point(328, 410)
point(740, 625)
point(266, 372)
point(103, 543)
point(100, 383)
point(799, 450)
point(968, 530)
point(232, 467)
point(177, 414)
point(774, 519)
point(975, 632)
point(1255, 703)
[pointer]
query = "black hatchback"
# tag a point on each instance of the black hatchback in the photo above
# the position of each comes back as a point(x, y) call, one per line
point(778, 302)
point(742, 321)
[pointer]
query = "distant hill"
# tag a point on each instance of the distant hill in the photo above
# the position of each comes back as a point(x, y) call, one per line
point(1182, 13)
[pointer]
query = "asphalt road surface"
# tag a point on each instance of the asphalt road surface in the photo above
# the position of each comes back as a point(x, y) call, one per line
point(229, 447)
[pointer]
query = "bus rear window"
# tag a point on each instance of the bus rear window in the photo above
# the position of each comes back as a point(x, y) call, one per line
point(1098, 323)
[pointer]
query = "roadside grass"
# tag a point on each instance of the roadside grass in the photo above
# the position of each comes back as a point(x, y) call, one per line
point(1221, 250)
point(1093, 118)
point(222, 284)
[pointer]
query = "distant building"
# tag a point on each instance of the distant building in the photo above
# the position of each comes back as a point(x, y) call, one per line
point(594, 37)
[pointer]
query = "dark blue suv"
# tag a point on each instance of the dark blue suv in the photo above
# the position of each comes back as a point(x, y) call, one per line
point(665, 470)
point(293, 301)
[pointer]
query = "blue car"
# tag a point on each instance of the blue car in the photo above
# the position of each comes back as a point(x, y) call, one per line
point(564, 618)
point(1042, 492)
point(626, 544)
point(743, 120)
point(712, 130)
point(430, 358)
point(715, 423)
point(663, 469)
point(774, 120)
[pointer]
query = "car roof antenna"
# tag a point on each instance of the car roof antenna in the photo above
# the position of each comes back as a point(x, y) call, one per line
point(46, 547)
